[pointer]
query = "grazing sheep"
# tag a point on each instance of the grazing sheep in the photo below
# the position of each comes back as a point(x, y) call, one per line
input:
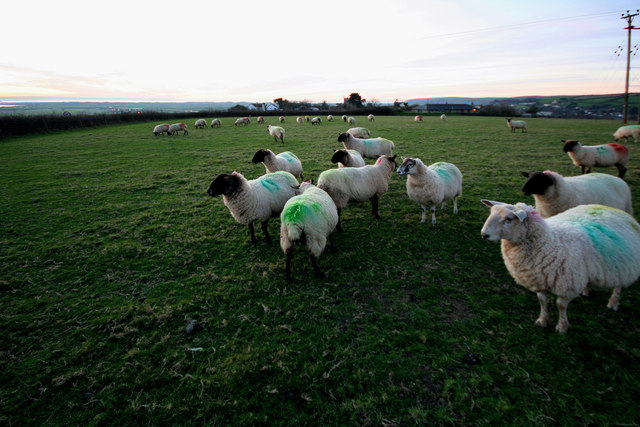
point(359, 132)
point(309, 217)
point(300, 120)
point(631, 131)
point(216, 123)
point(351, 120)
point(418, 119)
point(255, 200)
point(160, 129)
point(346, 185)
point(434, 184)
point(260, 119)
point(344, 118)
point(243, 121)
point(329, 118)
point(178, 127)
point(371, 148)
point(586, 246)
point(371, 117)
point(554, 193)
point(286, 161)
point(517, 124)
point(347, 158)
point(316, 121)
point(276, 132)
point(588, 156)
point(443, 117)
point(281, 119)
point(200, 124)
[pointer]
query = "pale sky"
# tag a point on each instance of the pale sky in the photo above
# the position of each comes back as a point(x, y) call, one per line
point(257, 51)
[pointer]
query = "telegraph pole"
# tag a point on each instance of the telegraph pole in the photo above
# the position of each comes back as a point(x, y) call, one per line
point(629, 17)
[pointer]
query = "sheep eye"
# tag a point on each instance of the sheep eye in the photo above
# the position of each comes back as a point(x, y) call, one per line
point(508, 218)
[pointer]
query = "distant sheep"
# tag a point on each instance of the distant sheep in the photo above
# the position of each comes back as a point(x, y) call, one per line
point(347, 158)
point(160, 129)
point(344, 118)
point(371, 148)
point(276, 132)
point(260, 119)
point(286, 161)
point(586, 246)
point(281, 119)
point(359, 132)
point(517, 124)
point(371, 117)
point(216, 123)
point(418, 118)
point(200, 124)
point(588, 156)
point(443, 117)
point(300, 120)
point(316, 121)
point(178, 127)
point(624, 132)
point(243, 121)
point(329, 118)
point(351, 120)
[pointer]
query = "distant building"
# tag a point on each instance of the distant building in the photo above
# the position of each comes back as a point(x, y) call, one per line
point(442, 108)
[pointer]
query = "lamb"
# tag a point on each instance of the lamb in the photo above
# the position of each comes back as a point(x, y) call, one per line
point(585, 246)
point(286, 161)
point(370, 148)
point(255, 200)
point(178, 127)
point(200, 124)
point(309, 217)
point(260, 119)
point(347, 158)
point(433, 184)
point(216, 123)
point(281, 119)
point(160, 129)
point(371, 117)
point(351, 120)
point(300, 120)
point(418, 119)
point(554, 193)
point(329, 118)
point(359, 132)
point(358, 184)
point(632, 131)
point(276, 132)
point(316, 121)
point(443, 117)
point(243, 121)
point(517, 124)
point(588, 156)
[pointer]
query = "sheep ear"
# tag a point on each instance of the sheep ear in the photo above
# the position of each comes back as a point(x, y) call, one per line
point(490, 203)
point(521, 214)
point(563, 141)
point(334, 150)
point(525, 174)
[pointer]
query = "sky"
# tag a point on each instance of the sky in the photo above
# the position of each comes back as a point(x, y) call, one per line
point(257, 51)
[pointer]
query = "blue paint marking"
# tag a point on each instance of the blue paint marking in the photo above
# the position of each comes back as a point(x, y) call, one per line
point(269, 185)
point(607, 242)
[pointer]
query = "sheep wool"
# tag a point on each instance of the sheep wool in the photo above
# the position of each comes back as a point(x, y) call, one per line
point(624, 132)
point(216, 123)
point(178, 127)
point(285, 161)
point(588, 156)
point(359, 132)
point(160, 129)
point(586, 246)
point(371, 147)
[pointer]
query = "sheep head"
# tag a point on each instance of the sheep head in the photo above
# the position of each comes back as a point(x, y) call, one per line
point(538, 183)
point(570, 145)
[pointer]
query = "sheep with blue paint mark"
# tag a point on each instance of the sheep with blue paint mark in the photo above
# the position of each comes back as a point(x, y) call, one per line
point(369, 147)
point(433, 184)
point(347, 158)
point(254, 200)
point(285, 161)
point(588, 156)
point(586, 246)
point(309, 217)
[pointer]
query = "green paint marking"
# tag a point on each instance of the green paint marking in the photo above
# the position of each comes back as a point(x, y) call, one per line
point(269, 185)
point(602, 150)
point(606, 241)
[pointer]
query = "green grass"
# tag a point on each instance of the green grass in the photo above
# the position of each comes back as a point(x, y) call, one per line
point(110, 246)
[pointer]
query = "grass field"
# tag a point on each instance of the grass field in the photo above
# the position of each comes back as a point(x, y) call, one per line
point(110, 247)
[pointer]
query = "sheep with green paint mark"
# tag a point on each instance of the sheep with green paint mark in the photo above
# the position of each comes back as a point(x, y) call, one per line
point(371, 148)
point(434, 184)
point(310, 217)
point(285, 161)
point(586, 246)
point(255, 200)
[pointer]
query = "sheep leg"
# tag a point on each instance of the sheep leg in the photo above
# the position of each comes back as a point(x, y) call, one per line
point(455, 205)
point(543, 318)
point(433, 214)
point(563, 321)
point(583, 168)
point(339, 225)
point(589, 169)
point(253, 234)
point(332, 245)
point(621, 170)
point(614, 301)
point(443, 205)
point(265, 230)
point(287, 270)
point(374, 206)
point(316, 267)
point(424, 214)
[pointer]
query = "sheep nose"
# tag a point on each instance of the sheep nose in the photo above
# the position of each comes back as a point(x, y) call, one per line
point(485, 236)
point(209, 192)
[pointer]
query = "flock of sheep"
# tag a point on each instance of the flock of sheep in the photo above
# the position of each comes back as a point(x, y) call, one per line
point(580, 234)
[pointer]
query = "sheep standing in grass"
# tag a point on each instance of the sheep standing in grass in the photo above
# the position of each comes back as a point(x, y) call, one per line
point(418, 119)
point(347, 158)
point(588, 156)
point(300, 120)
point(316, 121)
point(443, 118)
point(624, 132)
point(359, 132)
point(329, 118)
point(160, 129)
point(260, 119)
point(371, 148)
point(554, 193)
point(286, 161)
point(200, 124)
point(309, 217)
point(276, 132)
point(178, 127)
point(243, 121)
point(344, 118)
point(255, 200)
point(371, 117)
point(517, 124)
point(346, 185)
point(281, 119)
point(434, 184)
point(351, 120)
point(216, 123)
point(586, 246)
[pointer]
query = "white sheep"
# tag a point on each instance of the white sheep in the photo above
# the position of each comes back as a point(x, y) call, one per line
point(243, 121)
point(255, 200)
point(347, 158)
point(344, 118)
point(371, 148)
point(554, 193)
point(300, 120)
point(286, 161)
point(276, 132)
point(434, 184)
point(586, 246)
point(260, 119)
point(351, 120)
point(517, 124)
point(624, 132)
point(178, 127)
point(200, 124)
point(160, 129)
point(369, 182)
point(359, 132)
point(216, 123)
point(281, 119)
point(443, 117)
point(329, 118)
point(310, 217)
point(418, 119)
point(371, 117)
point(316, 121)
point(588, 156)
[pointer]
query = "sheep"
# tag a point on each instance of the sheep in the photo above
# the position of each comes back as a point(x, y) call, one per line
point(347, 158)
point(160, 129)
point(344, 118)
point(260, 119)
point(588, 156)
point(243, 121)
point(310, 217)
point(286, 161)
point(281, 119)
point(255, 200)
point(585, 246)
point(300, 120)
point(517, 124)
point(351, 120)
point(358, 184)
point(276, 132)
point(554, 193)
point(370, 148)
point(433, 184)
point(178, 127)
point(359, 132)
point(443, 117)
point(371, 117)
point(216, 123)
point(418, 119)
point(329, 118)
point(200, 124)
point(316, 121)
point(632, 131)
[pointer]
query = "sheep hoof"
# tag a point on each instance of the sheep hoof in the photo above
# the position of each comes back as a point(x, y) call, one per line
point(541, 322)
point(613, 307)
point(562, 328)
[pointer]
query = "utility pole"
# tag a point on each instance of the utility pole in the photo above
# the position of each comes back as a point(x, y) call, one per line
point(629, 17)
